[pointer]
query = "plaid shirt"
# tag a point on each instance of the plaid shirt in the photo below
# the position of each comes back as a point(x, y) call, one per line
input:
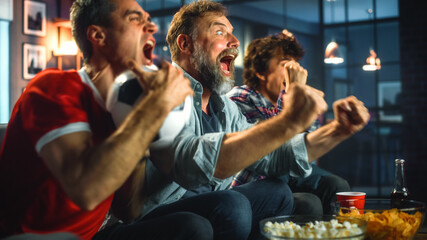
point(256, 108)
point(253, 104)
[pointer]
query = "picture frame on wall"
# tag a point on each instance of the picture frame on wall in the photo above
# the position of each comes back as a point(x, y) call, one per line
point(34, 59)
point(34, 14)
point(389, 101)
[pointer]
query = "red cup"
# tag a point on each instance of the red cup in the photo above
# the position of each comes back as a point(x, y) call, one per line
point(351, 199)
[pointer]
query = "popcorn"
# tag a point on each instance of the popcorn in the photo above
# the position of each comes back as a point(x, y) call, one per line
point(316, 230)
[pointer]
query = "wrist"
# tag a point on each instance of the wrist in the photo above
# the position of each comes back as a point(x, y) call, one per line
point(289, 125)
point(338, 130)
point(157, 103)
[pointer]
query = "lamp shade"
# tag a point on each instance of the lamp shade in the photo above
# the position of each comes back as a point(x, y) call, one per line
point(333, 54)
point(372, 62)
point(67, 48)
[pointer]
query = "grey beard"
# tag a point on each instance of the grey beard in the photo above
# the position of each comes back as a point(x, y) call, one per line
point(210, 73)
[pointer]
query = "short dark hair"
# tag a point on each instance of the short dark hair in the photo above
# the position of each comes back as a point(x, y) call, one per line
point(185, 19)
point(84, 13)
point(260, 51)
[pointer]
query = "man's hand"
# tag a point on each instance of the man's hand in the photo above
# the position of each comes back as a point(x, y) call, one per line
point(287, 33)
point(302, 105)
point(351, 115)
point(294, 73)
point(168, 82)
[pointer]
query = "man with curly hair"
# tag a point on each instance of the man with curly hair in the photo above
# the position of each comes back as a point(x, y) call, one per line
point(267, 64)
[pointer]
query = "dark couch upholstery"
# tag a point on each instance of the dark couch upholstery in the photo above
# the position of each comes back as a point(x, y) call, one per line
point(2, 132)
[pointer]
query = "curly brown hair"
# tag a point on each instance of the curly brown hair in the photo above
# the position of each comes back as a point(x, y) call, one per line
point(185, 20)
point(260, 51)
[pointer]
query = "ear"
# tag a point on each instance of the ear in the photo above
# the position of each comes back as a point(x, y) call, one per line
point(96, 35)
point(260, 76)
point(185, 44)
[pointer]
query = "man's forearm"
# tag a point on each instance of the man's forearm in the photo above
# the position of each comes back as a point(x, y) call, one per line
point(129, 199)
point(241, 149)
point(133, 137)
point(322, 140)
point(97, 172)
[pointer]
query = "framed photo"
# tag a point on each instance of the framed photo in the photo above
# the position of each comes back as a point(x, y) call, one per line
point(34, 18)
point(389, 101)
point(34, 59)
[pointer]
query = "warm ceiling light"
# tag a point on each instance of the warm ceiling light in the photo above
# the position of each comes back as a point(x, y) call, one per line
point(67, 48)
point(66, 44)
point(332, 54)
point(372, 62)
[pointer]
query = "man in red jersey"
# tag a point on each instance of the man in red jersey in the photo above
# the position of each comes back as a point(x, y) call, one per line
point(62, 158)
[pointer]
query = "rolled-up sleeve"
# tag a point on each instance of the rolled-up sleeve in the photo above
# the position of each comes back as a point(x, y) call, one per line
point(196, 158)
point(291, 158)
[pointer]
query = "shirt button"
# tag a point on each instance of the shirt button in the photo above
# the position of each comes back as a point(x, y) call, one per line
point(197, 103)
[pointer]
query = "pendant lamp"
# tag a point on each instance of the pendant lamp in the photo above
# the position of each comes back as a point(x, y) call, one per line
point(372, 62)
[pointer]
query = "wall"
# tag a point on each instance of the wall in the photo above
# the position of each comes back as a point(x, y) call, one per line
point(18, 38)
point(413, 50)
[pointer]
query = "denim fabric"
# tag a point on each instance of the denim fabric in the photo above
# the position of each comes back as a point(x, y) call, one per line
point(235, 214)
point(321, 184)
point(195, 154)
point(51, 236)
point(177, 225)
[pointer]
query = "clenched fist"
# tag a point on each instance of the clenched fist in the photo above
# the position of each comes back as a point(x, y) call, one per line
point(351, 115)
point(295, 73)
point(168, 82)
point(302, 105)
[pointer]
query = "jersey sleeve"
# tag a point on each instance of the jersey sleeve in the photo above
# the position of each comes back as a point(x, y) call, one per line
point(52, 106)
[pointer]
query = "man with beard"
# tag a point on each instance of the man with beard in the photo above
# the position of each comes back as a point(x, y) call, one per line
point(218, 142)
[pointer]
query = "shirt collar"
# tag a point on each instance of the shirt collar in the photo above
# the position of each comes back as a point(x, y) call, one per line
point(196, 85)
point(198, 89)
point(86, 79)
point(259, 100)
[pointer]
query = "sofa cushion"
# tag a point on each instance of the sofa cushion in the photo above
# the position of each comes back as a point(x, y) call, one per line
point(2, 132)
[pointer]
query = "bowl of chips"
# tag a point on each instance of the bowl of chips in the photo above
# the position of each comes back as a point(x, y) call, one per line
point(313, 227)
point(387, 219)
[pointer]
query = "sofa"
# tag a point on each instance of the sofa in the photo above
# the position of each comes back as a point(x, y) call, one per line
point(2, 132)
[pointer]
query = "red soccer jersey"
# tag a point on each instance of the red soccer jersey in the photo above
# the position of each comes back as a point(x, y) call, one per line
point(54, 103)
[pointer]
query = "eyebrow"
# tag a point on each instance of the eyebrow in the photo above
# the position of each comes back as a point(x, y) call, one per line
point(221, 24)
point(129, 12)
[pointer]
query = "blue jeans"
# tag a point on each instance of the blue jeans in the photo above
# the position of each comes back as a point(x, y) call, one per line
point(177, 225)
point(235, 214)
point(320, 183)
point(50, 236)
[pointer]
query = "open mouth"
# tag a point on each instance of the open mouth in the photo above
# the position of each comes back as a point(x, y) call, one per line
point(225, 63)
point(148, 52)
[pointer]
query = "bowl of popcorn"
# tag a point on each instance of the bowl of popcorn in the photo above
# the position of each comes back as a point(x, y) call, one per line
point(386, 219)
point(313, 227)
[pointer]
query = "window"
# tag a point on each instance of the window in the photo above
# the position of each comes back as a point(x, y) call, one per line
point(4, 71)
point(355, 26)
